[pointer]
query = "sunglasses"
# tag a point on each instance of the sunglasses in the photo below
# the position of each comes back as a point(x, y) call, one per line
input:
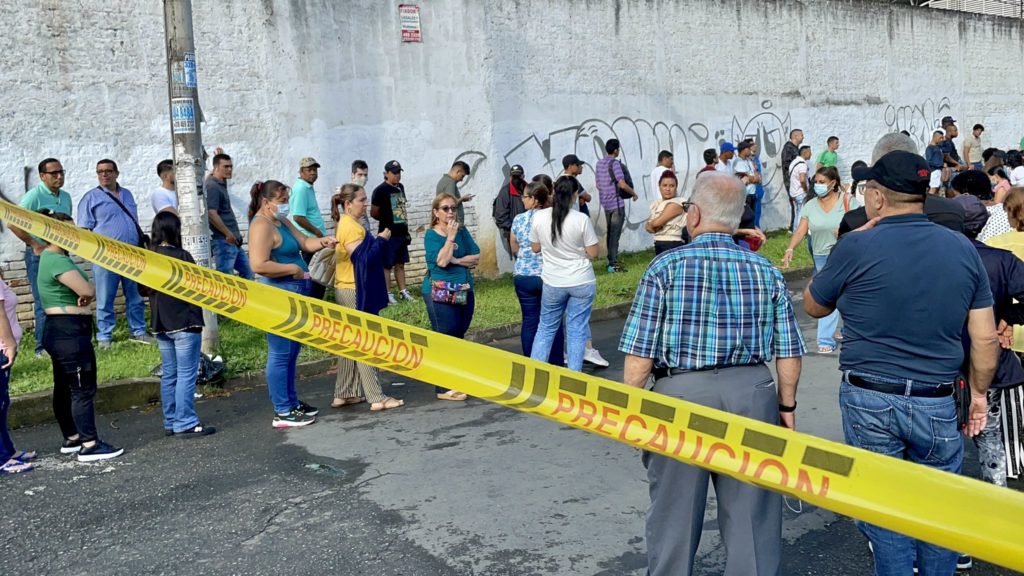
point(446, 208)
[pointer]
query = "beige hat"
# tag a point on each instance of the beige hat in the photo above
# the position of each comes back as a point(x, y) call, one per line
point(308, 162)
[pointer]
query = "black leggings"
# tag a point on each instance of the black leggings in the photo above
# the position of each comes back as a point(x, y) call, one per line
point(67, 338)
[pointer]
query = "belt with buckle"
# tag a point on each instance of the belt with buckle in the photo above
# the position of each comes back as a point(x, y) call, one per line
point(901, 389)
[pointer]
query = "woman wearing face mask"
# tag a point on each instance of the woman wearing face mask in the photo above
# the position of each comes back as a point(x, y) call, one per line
point(275, 252)
point(823, 210)
point(1000, 183)
point(667, 218)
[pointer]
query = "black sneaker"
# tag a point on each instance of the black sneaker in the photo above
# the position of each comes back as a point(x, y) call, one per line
point(964, 562)
point(293, 419)
point(168, 432)
point(307, 409)
point(99, 451)
point(70, 446)
point(196, 432)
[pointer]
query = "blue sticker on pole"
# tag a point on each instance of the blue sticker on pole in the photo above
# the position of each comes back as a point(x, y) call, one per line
point(183, 116)
point(190, 70)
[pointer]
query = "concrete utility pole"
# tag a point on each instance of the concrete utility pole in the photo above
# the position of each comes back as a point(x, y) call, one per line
point(187, 140)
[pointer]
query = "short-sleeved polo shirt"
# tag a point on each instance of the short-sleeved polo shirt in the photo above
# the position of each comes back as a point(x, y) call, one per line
point(904, 289)
point(42, 197)
point(302, 202)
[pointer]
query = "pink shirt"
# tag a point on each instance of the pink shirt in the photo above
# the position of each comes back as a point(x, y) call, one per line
point(10, 308)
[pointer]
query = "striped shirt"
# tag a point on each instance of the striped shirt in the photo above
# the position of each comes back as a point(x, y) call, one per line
point(711, 304)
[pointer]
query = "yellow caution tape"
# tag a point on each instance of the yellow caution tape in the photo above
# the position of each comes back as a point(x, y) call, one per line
point(953, 511)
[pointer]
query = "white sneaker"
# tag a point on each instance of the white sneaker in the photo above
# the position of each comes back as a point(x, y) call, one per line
point(391, 299)
point(405, 295)
point(594, 357)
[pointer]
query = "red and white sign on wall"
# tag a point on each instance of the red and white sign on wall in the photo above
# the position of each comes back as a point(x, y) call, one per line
point(410, 17)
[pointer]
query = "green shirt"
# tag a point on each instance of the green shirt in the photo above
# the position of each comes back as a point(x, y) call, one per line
point(822, 226)
point(41, 197)
point(448, 184)
point(828, 158)
point(53, 294)
point(303, 203)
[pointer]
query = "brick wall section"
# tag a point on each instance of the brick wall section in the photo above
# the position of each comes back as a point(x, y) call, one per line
point(16, 275)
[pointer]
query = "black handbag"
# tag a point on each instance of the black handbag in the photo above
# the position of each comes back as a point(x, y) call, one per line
point(625, 176)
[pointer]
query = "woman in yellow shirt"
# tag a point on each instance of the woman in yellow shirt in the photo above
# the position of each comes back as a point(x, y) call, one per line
point(355, 380)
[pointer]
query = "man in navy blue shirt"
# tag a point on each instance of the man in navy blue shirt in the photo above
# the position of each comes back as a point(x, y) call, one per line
point(904, 286)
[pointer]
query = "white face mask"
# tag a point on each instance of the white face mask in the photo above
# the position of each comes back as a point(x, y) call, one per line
point(282, 211)
point(360, 180)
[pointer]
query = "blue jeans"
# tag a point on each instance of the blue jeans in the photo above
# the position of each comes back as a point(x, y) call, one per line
point(575, 303)
point(179, 357)
point(921, 430)
point(529, 290)
point(106, 289)
point(449, 319)
point(758, 200)
point(827, 325)
point(32, 265)
point(6, 444)
point(795, 204)
point(228, 258)
point(283, 354)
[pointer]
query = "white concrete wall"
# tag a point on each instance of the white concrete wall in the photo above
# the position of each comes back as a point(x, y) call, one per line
point(495, 83)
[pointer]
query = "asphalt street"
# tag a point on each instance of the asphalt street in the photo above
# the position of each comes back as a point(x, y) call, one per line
point(433, 488)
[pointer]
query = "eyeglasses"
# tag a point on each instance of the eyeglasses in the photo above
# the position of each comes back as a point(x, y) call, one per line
point(446, 208)
point(107, 171)
point(54, 173)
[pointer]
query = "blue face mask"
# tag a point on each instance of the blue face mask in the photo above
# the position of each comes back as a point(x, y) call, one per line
point(282, 211)
point(821, 190)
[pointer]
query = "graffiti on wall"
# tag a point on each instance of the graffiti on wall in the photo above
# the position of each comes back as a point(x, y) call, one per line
point(920, 120)
point(642, 139)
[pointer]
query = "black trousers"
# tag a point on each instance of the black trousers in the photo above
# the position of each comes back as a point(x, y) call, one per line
point(67, 338)
point(316, 290)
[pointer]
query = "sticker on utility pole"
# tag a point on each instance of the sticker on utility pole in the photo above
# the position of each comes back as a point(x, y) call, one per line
point(190, 70)
point(183, 116)
point(410, 18)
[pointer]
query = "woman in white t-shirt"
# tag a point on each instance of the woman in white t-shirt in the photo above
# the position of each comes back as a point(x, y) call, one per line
point(1015, 161)
point(566, 241)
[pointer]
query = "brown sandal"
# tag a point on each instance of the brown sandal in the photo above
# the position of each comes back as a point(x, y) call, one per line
point(387, 404)
point(338, 403)
point(453, 396)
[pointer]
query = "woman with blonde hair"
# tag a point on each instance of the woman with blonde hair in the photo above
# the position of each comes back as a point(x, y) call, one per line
point(355, 380)
point(451, 253)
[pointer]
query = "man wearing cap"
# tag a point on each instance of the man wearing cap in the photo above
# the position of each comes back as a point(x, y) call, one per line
point(48, 194)
point(508, 204)
point(388, 209)
point(226, 244)
point(726, 156)
point(900, 358)
point(949, 153)
point(449, 184)
point(744, 169)
point(611, 176)
point(573, 166)
point(305, 212)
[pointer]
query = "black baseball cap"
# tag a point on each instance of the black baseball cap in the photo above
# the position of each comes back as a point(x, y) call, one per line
point(744, 145)
point(975, 213)
point(393, 166)
point(899, 171)
point(517, 170)
point(571, 160)
point(946, 121)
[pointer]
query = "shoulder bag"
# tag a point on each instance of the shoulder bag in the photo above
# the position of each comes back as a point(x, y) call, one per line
point(625, 174)
point(323, 267)
point(143, 237)
point(443, 292)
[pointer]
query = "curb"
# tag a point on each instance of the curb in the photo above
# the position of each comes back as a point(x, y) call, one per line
point(37, 408)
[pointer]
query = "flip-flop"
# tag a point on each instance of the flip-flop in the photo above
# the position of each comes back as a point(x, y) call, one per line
point(826, 349)
point(389, 403)
point(453, 396)
point(347, 402)
point(23, 456)
point(14, 467)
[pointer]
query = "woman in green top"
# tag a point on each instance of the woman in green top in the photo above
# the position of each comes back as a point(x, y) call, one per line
point(275, 253)
point(450, 253)
point(65, 294)
point(823, 210)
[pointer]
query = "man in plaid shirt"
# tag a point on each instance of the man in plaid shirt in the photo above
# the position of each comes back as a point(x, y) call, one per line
point(706, 319)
